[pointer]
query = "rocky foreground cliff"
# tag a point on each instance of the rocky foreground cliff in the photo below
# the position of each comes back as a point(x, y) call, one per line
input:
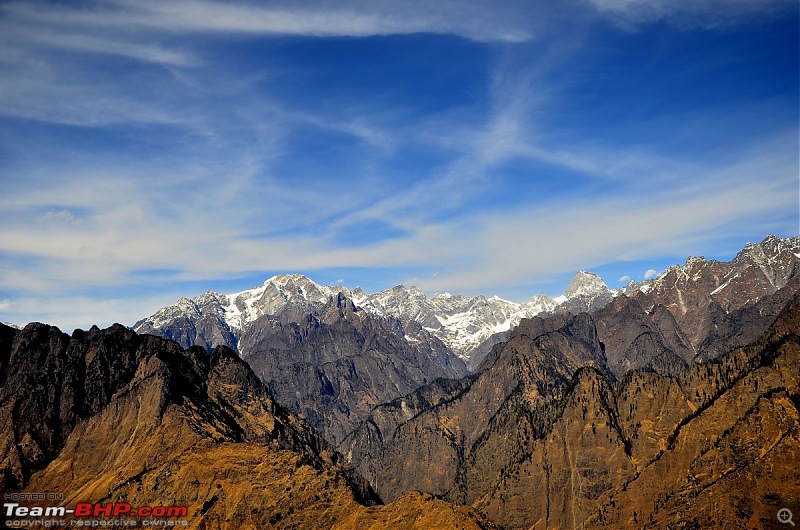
point(112, 416)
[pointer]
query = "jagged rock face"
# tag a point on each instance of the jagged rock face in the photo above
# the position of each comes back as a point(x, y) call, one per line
point(53, 384)
point(636, 340)
point(698, 312)
point(338, 364)
point(150, 423)
point(197, 322)
point(743, 326)
point(694, 312)
point(718, 442)
point(49, 382)
point(698, 293)
point(436, 438)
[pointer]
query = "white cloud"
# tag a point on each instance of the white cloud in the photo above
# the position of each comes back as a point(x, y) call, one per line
point(132, 223)
point(477, 20)
point(625, 279)
point(696, 13)
point(650, 273)
point(97, 44)
point(70, 312)
point(60, 216)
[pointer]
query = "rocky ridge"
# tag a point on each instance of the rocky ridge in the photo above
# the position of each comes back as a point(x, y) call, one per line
point(111, 416)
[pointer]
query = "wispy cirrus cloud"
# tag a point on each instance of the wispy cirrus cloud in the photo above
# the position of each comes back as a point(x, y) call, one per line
point(700, 13)
point(152, 150)
point(481, 21)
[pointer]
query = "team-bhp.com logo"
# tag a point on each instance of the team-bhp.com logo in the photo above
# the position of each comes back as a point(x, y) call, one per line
point(93, 514)
point(121, 509)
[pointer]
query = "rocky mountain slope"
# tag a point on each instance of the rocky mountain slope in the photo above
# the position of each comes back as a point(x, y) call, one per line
point(543, 437)
point(689, 313)
point(111, 416)
point(701, 289)
point(653, 340)
point(435, 434)
point(337, 363)
point(321, 357)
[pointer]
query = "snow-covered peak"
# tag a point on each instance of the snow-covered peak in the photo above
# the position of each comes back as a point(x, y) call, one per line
point(587, 284)
point(496, 298)
point(460, 322)
point(358, 296)
point(239, 309)
point(540, 304)
point(273, 295)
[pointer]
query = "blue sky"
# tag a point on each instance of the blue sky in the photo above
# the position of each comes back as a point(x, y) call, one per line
point(151, 150)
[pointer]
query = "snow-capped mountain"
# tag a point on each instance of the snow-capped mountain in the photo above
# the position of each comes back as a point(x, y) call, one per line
point(460, 323)
point(465, 324)
point(695, 291)
point(213, 318)
point(586, 292)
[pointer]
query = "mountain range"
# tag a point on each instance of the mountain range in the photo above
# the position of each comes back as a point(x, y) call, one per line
point(545, 437)
point(468, 327)
point(671, 403)
point(462, 324)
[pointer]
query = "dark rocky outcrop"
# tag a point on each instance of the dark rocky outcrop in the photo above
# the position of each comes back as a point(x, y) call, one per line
point(636, 340)
point(112, 416)
point(51, 383)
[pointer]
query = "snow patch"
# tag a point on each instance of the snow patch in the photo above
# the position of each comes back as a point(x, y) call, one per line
point(724, 285)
